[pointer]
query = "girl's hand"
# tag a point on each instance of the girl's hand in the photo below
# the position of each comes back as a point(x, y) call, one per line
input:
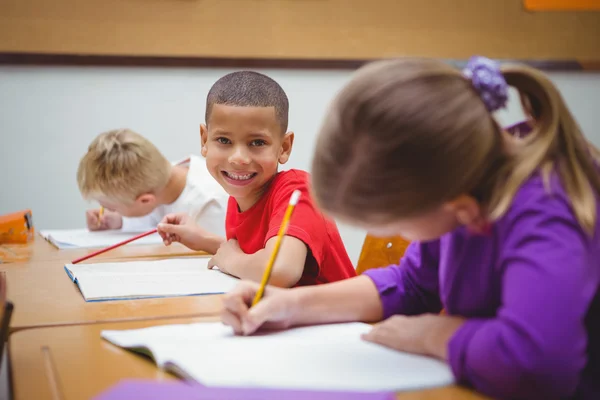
point(426, 334)
point(275, 310)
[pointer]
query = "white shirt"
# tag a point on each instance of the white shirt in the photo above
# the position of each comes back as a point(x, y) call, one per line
point(202, 198)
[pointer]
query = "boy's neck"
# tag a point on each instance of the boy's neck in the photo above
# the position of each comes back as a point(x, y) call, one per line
point(175, 185)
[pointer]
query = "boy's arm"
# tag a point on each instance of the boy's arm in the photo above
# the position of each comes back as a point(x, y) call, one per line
point(286, 272)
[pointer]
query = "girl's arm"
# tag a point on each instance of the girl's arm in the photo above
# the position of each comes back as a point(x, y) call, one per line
point(535, 346)
point(408, 288)
point(354, 299)
point(412, 287)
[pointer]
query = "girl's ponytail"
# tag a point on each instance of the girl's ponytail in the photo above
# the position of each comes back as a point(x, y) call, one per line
point(556, 141)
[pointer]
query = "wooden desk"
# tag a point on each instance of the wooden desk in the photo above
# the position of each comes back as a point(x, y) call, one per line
point(75, 363)
point(43, 295)
point(41, 250)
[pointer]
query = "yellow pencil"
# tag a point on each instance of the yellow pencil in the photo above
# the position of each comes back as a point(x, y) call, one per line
point(100, 214)
point(280, 235)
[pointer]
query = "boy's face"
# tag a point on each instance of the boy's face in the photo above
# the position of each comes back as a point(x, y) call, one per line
point(142, 206)
point(243, 147)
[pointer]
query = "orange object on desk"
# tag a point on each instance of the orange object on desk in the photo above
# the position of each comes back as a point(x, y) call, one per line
point(16, 227)
point(562, 5)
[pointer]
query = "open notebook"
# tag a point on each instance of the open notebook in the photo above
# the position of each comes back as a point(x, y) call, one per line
point(325, 357)
point(144, 279)
point(85, 239)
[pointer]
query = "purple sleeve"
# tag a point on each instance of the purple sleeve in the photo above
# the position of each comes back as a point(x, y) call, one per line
point(411, 287)
point(520, 129)
point(535, 347)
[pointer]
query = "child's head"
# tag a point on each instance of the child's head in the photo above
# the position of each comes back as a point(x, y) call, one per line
point(410, 147)
point(123, 171)
point(245, 136)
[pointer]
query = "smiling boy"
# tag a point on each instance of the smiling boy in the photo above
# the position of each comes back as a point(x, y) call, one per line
point(244, 141)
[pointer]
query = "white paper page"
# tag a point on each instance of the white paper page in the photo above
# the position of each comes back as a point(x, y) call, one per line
point(160, 336)
point(82, 238)
point(158, 278)
point(329, 357)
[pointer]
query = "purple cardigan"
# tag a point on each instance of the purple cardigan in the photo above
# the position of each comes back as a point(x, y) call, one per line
point(530, 291)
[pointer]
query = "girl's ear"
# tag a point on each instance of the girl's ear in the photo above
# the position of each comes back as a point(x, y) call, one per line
point(469, 213)
point(286, 148)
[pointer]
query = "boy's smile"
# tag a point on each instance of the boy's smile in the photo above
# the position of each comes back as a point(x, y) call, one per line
point(243, 147)
point(238, 179)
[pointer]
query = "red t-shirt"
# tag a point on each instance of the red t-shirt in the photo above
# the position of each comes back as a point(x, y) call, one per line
point(327, 260)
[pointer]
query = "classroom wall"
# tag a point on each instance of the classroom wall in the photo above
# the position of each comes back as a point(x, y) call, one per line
point(48, 116)
point(303, 29)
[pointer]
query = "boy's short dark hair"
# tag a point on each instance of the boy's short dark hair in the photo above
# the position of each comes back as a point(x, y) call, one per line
point(249, 89)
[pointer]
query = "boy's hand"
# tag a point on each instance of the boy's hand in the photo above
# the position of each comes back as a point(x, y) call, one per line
point(227, 258)
point(275, 310)
point(183, 229)
point(110, 220)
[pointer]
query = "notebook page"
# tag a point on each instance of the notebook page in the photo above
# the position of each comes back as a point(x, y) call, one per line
point(82, 238)
point(157, 278)
point(155, 339)
point(156, 335)
point(328, 357)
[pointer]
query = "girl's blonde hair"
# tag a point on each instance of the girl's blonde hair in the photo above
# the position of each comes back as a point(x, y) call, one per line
point(405, 136)
point(122, 165)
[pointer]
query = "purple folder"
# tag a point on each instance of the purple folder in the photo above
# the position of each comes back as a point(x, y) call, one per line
point(131, 389)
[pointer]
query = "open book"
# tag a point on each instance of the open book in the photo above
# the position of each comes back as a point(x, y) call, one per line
point(144, 279)
point(325, 357)
point(83, 238)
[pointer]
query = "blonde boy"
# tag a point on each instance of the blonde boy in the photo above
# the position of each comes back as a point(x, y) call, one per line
point(138, 186)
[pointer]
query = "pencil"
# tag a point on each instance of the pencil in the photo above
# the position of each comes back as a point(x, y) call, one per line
point(282, 230)
point(114, 246)
point(100, 214)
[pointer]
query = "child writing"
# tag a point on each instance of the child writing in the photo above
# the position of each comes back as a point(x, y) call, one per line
point(504, 230)
point(244, 141)
point(137, 186)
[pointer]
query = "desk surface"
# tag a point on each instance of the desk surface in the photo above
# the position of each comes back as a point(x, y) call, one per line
point(44, 295)
point(41, 250)
point(73, 362)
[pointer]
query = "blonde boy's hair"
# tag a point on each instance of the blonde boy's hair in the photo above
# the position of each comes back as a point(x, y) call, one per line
point(122, 165)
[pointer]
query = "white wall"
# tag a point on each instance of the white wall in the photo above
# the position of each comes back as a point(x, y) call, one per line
point(48, 116)
point(581, 91)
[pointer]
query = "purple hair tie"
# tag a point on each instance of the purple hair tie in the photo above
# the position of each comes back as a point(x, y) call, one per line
point(488, 81)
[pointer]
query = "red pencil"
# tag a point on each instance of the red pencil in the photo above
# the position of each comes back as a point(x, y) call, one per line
point(114, 246)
